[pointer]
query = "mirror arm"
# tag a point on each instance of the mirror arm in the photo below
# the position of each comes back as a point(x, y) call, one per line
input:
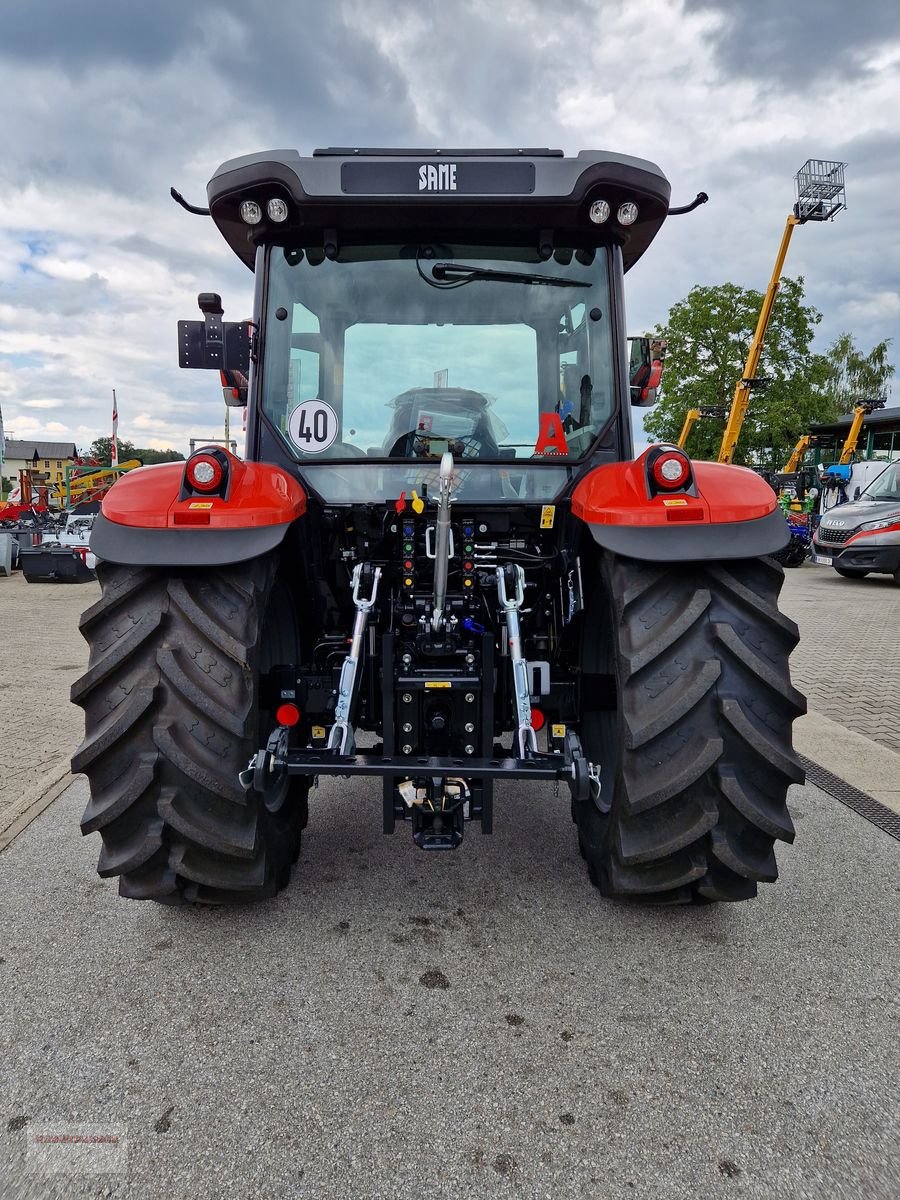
point(700, 198)
point(191, 208)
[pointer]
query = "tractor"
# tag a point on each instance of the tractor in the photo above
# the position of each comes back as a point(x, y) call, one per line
point(438, 564)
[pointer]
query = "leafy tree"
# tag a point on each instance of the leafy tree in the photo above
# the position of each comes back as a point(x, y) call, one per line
point(853, 376)
point(709, 335)
point(100, 449)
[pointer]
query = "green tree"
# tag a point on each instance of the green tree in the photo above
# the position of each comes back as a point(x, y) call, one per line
point(853, 376)
point(709, 335)
point(100, 449)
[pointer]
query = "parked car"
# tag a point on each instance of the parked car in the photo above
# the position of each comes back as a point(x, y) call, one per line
point(863, 536)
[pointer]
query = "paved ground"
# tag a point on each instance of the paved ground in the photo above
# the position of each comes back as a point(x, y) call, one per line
point(41, 654)
point(482, 1023)
point(402, 1025)
point(848, 660)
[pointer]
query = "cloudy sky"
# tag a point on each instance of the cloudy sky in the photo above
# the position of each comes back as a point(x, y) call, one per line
point(106, 104)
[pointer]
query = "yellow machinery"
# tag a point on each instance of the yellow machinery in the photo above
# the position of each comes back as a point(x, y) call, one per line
point(796, 459)
point(860, 412)
point(90, 483)
point(820, 195)
point(693, 415)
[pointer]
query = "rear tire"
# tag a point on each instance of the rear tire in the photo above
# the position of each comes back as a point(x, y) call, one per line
point(851, 572)
point(171, 715)
point(694, 740)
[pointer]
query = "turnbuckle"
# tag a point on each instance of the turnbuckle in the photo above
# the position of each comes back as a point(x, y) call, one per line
point(526, 736)
point(340, 738)
point(443, 547)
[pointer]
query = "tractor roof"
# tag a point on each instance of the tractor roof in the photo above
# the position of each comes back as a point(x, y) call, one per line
point(513, 197)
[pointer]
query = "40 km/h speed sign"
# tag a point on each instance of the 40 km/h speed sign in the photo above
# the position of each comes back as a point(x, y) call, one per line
point(313, 426)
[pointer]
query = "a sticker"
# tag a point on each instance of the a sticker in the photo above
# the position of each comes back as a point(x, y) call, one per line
point(558, 731)
point(313, 426)
point(551, 436)
point(318, 732)
point(200, 504)
point(440, 683)
point(548, 514)
point(674, 503)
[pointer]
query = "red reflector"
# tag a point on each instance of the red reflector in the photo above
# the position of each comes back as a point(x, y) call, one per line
point(684, 514)
point(671, 471)
point(190, 518)
point(287, 714)
point(538, 720)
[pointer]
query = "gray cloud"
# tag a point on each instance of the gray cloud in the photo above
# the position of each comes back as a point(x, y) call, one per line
point(796, 41)
point(74, 37)
point(109, 105)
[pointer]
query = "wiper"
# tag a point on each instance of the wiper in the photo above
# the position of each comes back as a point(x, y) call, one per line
point(457, 274)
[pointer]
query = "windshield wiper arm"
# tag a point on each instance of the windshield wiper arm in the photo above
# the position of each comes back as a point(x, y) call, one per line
point(461, 273)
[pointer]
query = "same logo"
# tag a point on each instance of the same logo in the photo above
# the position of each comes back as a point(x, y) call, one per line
point(437, 177)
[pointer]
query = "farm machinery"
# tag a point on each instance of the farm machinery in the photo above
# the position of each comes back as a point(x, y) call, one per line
point(438, 567)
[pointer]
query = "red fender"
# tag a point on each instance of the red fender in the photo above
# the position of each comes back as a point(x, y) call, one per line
point(724, 512)
point(258, 494)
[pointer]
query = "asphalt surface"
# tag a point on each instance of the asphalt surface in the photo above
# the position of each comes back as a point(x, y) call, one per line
point(479, 1023)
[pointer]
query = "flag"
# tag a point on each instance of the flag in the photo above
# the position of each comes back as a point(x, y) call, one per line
point(113, 448)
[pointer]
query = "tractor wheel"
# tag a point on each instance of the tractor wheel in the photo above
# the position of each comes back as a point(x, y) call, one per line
point(687, 706)
point(851, 572)
point(171, 715)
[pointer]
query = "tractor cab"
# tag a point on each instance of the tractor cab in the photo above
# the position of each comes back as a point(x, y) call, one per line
point(406, 308)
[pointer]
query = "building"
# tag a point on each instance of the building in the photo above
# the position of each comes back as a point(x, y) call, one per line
point(879, 437)
point(47, 461)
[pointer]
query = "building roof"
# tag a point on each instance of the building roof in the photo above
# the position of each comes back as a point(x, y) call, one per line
point(31, 450)
point(882, 418)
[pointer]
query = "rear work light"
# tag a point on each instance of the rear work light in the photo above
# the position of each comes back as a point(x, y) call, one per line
point(599, 212)
point(251, 212)
point(628, 213)
point(671, 471)
point(204, 472)
point(277, 209)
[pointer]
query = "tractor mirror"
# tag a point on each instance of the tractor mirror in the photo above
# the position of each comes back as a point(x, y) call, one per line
point(234, 388)
point(213, 344)
point(645, 368)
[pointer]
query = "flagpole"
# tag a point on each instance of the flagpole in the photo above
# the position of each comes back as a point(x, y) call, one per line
point(113, 447)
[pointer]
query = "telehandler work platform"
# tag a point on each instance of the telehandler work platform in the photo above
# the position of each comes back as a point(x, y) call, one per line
point(438, 538)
